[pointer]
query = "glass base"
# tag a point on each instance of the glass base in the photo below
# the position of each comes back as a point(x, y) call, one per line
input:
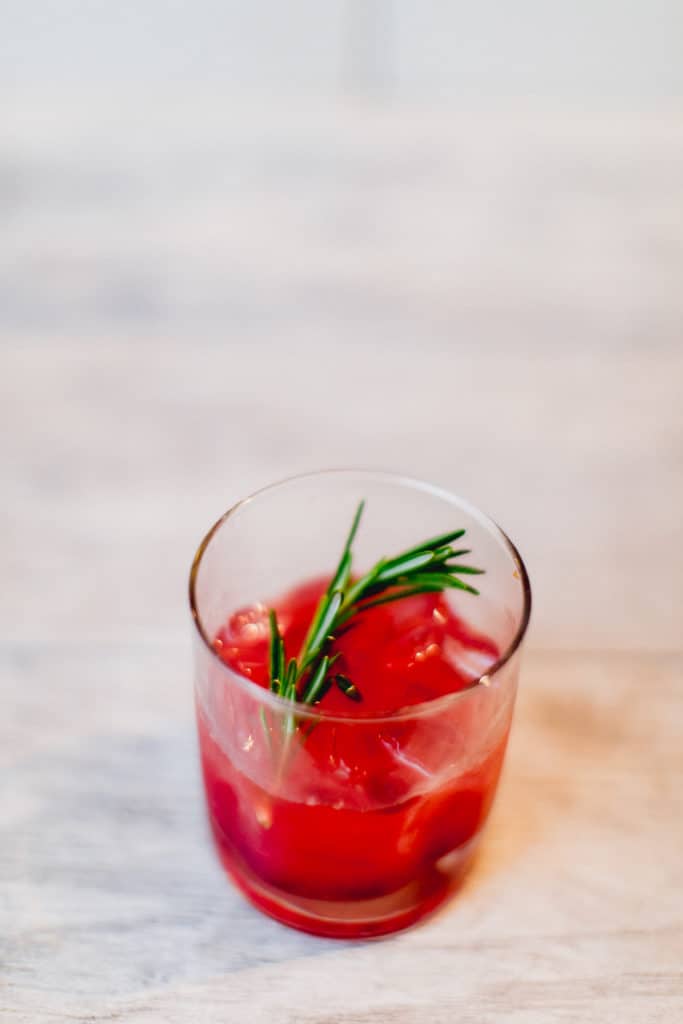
point(362, 918)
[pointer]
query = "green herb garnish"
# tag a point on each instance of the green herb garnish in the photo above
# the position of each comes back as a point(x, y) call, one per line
point(429, 567)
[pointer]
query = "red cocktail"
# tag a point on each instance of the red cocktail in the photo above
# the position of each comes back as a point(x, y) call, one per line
point(348, 818)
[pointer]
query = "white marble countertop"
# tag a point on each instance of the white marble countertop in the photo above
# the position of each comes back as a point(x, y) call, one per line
point(490, 302)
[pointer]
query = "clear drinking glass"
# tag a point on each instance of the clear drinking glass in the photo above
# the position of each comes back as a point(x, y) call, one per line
point(376, 831)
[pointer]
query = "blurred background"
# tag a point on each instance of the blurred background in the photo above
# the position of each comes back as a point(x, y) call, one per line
point(239, 241)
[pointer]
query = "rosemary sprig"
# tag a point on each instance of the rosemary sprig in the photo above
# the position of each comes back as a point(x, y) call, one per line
point(429, 567)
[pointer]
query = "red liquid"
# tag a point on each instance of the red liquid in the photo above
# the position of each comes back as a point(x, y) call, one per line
point(360, 827)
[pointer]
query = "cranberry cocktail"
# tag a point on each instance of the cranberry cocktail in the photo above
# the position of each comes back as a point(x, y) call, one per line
point(353, 727)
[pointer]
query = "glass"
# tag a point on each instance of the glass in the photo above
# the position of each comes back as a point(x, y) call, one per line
point(377, 830)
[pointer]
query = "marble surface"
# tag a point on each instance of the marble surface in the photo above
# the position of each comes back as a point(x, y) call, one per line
point(115, 908)
point(199, 297)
